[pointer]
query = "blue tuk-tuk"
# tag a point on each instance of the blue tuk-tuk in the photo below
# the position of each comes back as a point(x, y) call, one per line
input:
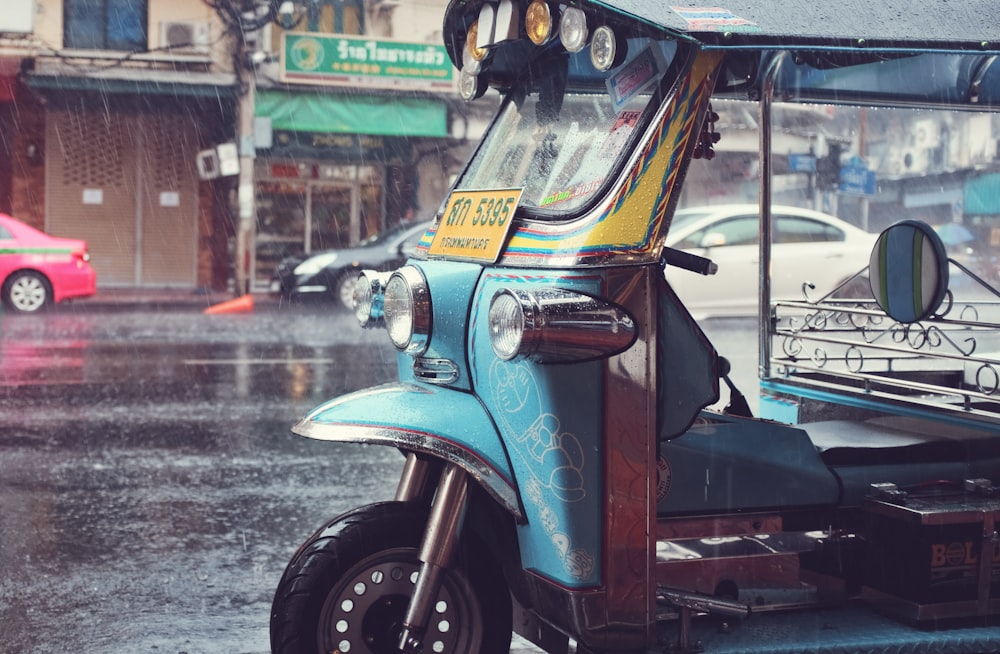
point(580, 466)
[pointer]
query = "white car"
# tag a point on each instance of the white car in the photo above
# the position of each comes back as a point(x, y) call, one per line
point(808, 246)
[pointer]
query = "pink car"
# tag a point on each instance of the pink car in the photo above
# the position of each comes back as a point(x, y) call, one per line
point(38, 270)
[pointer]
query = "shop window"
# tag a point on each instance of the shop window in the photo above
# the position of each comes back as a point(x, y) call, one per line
point(742, 230)
point(105, 24)
point(323, 17)
point(792, 229)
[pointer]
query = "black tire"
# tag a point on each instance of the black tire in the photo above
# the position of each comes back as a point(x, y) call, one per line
point(348, 586)
point(27, 291)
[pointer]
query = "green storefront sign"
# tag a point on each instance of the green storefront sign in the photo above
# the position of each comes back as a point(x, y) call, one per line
point(359, 61)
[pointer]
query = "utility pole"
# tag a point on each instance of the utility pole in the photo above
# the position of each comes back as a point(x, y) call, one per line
point(246, 187)
point(243, 20)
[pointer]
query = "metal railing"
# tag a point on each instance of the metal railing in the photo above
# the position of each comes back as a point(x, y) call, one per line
point(950, 360)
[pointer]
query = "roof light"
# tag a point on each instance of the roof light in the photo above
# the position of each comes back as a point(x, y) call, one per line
point(606, 50)
point(471, 65)
point(538, 22)
point(471, 43)
point(573, 30)
point(470, 86)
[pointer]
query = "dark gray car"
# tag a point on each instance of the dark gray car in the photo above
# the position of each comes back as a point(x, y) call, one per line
point(330, 274)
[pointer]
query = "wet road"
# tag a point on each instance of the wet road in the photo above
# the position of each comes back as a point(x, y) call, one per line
point(150, 489)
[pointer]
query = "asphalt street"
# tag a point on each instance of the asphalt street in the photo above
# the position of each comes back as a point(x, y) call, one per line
point(151, 491)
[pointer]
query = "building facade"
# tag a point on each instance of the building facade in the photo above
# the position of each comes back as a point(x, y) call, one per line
point(107, 106)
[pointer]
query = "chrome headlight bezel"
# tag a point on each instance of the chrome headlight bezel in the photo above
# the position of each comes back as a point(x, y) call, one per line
point(407, 309)
point(554, 325)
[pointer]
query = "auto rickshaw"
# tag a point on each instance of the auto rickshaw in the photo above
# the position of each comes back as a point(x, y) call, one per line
point(579, 465)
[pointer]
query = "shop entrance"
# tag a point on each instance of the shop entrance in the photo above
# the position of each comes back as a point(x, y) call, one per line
point(335, 207)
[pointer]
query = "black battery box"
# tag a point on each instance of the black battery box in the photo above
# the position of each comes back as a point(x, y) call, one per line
point(934, 553)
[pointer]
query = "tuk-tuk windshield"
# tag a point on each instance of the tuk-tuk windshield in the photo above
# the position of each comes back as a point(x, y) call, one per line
point(561, 136)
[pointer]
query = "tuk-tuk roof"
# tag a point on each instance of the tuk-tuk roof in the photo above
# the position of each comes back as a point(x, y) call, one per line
point(921, 52)
point(913, 25)
point(866, 51)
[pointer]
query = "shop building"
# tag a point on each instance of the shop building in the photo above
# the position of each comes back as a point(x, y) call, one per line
point(109, 104)
point(105, 106)
point(355, 122)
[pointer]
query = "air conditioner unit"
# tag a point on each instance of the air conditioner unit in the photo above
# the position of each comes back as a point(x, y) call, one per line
point(186, 36)
point(915, 161)
point(926, 134)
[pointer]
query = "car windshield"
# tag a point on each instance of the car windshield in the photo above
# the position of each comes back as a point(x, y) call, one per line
point(561, 147)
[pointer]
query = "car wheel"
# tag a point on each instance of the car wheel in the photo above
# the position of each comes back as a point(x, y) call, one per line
point(27, 291)
point(343, 289)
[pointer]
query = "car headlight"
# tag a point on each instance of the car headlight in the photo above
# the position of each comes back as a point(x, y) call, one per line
point(551, 325)
point(368, 297)
point(313, 265)
point(407, 307)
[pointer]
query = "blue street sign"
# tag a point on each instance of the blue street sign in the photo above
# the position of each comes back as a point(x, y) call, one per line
point(856, 179)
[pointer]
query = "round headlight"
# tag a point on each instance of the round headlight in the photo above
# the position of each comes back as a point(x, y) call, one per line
point(538, 22)
point(407, 307)
point(506, 323)
point(362, 300)
point(471, 38)
point(573, 29)
point(368, 291)
point(606, 51)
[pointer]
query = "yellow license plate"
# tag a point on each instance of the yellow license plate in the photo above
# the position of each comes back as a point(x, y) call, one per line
point(475, 224)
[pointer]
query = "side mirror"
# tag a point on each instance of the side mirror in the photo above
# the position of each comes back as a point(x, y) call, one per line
point(713, 240)
point(908, 271)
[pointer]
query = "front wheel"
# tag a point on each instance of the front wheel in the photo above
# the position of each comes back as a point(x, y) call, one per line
point(348, 587)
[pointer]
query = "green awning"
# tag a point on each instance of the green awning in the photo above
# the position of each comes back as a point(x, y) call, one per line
point(982, 195)
point(342, 113)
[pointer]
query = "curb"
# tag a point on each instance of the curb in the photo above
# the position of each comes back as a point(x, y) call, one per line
point(157, 300)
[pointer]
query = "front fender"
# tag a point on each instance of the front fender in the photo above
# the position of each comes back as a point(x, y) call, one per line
point(448, 424)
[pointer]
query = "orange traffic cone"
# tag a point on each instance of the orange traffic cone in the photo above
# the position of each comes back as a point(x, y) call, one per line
point(242, 304)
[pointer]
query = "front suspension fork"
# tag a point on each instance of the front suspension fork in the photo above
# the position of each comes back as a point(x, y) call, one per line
point(438, 545)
